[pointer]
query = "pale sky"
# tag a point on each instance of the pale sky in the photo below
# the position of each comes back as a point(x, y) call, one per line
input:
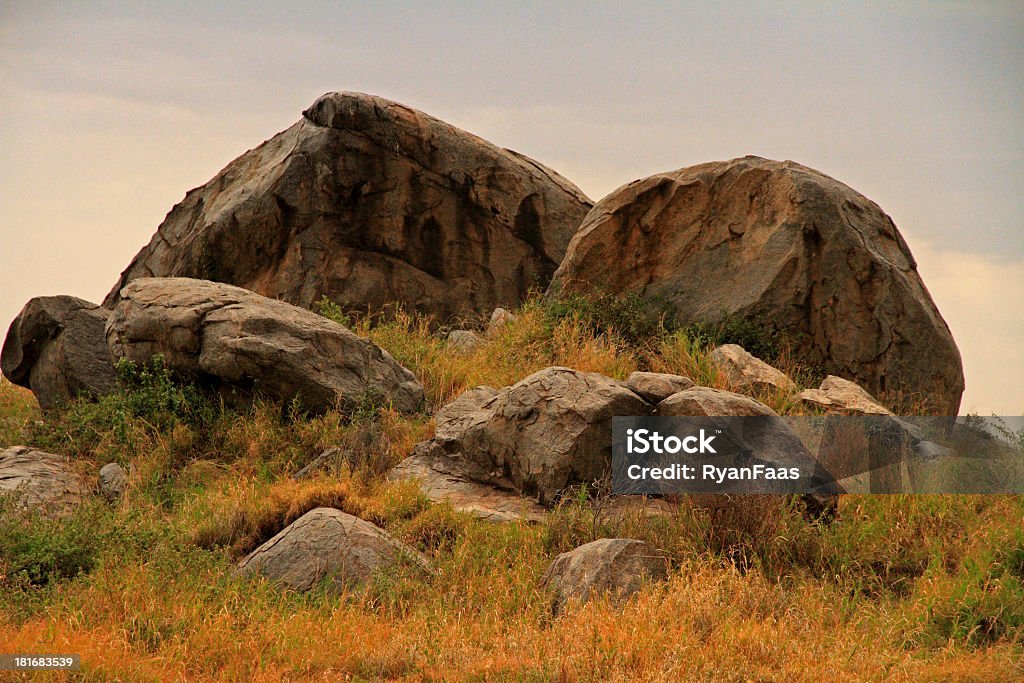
point(111, 112)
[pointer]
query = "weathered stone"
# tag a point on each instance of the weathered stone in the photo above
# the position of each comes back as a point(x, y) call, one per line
point(499, 319)
point(541, 435)
point(618, 567)
point(838, 395)
point(746, 372)
point(224, 335)
point(453, 417)
point(372, 204)
point(657, 386)
point(452, 481)
point(113, 480)
point(706, 401)
point(328, 545)
point(463, 341)
point(40, 480)
point(769, 438)
point(56, 348)
point(783, 246)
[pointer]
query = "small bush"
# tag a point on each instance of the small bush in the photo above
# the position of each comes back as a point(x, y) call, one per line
point(332, 311)
point(37, 551)
point(635, 319)
point(759, 339)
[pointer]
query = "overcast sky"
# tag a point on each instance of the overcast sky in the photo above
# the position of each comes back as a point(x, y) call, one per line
point(111, 112)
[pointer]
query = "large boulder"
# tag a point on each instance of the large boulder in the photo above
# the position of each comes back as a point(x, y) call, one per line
point(331, 546)
point(539, 436)
point(56, 347)
point(617, 567)
point(40, 480)
point(786, 247)
point(218, 334)
point(372, 203)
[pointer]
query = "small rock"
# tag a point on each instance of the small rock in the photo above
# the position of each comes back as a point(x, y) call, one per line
point(41, 480)
point(327, 545)
point(499, 318)
point(838, 395)
point(318, 462)
point(657, 386)
point(747, 372)
point(463, 340)
point(113, 480)
point(706, 401)
point(618, 566)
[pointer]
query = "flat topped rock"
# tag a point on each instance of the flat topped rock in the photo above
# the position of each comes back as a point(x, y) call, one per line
point(657, 386)
point(372, 204)
point(543, 434)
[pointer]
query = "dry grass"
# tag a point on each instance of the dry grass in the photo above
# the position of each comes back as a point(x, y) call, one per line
point(898, 588)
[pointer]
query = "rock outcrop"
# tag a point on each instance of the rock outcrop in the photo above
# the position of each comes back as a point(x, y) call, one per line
point(218, 334)
point(537, 437)
point(786, 247)
point(37, 479)
point(56, 348)
point(372, 203)
point(746, 372)
point(328, 545)
point(617, 567)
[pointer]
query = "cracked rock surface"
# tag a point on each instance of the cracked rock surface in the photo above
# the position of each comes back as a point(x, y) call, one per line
point(56, 347)
point(223, 335)
point(747, 372)
point(38, 479)
point(372, 203)
point(616, 566)
point(787, 247)
point(328, 545)
point(548, 431)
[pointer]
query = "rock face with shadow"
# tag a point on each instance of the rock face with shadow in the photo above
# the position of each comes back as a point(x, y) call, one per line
point(785, 247)
point(56, 347)
point(535, 438)
point(372, 204)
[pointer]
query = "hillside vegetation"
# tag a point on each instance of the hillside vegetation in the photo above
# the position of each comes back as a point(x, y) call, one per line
point(895, 588)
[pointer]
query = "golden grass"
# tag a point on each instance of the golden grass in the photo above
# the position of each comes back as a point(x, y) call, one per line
point(890, 591)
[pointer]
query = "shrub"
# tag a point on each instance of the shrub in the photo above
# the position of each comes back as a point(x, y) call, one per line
point(332, 311)
point(37, 551)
